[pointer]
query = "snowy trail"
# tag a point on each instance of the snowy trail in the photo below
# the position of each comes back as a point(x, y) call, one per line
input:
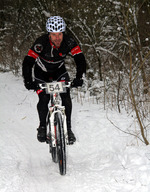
point(100, 160)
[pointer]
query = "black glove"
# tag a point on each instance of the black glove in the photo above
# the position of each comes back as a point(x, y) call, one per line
point(77, 82)
point(30, 85)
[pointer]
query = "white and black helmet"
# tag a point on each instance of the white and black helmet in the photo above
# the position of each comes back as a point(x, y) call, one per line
point(55, 24)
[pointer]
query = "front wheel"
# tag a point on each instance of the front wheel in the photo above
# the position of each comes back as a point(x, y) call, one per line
point(61, 145)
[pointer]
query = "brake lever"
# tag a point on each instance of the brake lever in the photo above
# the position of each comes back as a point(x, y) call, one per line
point(42, 86)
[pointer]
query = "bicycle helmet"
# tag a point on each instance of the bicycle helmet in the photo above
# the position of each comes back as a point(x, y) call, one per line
point(55, 24)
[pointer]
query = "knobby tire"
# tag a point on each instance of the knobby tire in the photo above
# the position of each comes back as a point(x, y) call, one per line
point(61, 146)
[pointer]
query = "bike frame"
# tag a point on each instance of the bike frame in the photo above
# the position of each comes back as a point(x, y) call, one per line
point(54, 89)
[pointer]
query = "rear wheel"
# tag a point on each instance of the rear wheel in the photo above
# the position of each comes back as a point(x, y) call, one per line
point(61, 146)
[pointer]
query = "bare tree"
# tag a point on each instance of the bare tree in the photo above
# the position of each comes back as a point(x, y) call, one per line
point(132, 86)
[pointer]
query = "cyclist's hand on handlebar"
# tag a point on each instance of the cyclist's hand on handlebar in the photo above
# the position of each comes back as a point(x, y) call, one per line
point(30, 85)
point(77, 82)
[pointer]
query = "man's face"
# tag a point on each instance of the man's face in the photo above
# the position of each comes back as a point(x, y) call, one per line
point(56, 38)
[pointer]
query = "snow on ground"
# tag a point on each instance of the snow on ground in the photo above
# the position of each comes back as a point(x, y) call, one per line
point(102, 160)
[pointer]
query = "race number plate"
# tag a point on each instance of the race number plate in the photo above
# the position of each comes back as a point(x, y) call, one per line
point(55, 87)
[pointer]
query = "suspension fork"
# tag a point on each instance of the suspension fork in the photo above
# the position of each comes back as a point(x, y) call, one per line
point(53, 127)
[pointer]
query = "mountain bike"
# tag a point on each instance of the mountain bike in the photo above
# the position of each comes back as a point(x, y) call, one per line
point(57, 136)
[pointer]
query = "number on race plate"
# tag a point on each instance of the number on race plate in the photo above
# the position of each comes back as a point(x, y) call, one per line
point(56, 87)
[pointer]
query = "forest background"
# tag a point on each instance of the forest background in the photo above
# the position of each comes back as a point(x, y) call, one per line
point(114, 36)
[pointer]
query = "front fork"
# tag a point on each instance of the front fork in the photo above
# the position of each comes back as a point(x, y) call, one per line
point(65, 129)
point(53, 126)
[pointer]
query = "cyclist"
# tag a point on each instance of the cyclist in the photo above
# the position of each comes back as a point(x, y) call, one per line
point(47, 56)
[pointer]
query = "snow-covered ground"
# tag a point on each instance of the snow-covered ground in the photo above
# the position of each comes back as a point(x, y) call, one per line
point(102, 160)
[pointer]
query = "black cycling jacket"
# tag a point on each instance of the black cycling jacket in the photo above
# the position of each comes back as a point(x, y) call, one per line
point(45, 57)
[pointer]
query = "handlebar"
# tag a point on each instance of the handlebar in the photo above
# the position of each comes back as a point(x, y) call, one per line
point(55, 87)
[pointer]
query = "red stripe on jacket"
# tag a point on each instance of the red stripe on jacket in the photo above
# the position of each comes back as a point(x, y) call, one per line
point(76, 50)
point(32, 54)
